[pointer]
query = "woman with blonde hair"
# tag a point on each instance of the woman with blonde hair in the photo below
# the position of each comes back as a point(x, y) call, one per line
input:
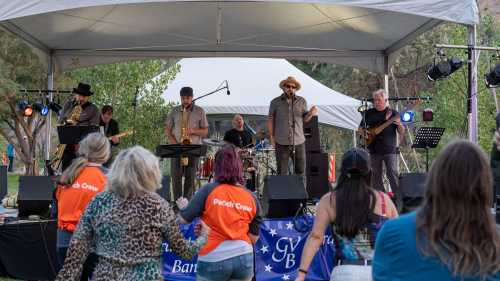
point(79, 183)
point(127, 223)
point(453, 235)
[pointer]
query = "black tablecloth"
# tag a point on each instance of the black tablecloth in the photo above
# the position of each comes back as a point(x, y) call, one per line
point(28, 250)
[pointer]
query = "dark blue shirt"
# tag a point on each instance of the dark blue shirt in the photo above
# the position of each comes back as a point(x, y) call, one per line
point(397, 257)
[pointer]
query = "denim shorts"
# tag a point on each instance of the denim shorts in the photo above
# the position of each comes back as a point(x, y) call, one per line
point(239, 267)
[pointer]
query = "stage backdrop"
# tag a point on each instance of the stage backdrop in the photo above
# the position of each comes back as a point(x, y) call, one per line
point(277, 253)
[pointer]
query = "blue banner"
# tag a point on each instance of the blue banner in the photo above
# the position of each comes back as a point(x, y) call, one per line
point(277, 253)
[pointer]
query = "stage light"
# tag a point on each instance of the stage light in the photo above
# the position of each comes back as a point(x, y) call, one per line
point(407, 117)
point(41, 108)
point(493, 78)
point(444, 69)
point(55, 107)
point(25, 108)
point(427, 115)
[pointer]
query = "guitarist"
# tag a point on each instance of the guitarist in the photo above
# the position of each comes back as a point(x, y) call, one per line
point(383, 148)
point(111, 130)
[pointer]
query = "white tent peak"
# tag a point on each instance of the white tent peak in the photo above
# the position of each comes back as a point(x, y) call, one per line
point(253, 83)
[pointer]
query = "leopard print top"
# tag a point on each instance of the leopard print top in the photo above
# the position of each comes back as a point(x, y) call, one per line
point(127, 236)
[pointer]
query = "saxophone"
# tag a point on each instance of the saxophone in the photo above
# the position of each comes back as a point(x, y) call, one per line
point(185, 137)
point(72, 120)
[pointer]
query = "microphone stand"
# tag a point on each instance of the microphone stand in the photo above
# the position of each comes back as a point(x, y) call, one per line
point(215, 91)
point(293, 135)
point(134, 104)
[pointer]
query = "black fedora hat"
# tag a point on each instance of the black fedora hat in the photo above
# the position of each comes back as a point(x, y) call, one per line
point(83, 89)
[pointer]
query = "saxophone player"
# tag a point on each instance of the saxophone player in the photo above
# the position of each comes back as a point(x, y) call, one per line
point(186, 124)
point(88, 116)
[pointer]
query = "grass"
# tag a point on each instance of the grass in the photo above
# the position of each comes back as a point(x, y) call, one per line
point(12, 184)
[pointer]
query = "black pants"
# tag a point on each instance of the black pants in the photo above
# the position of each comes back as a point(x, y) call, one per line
point(69, 155)
point(11, 164)
point(88, 267)
point(284, 154)
point(177, 172)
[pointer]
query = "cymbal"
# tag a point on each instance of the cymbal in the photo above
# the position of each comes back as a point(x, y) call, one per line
point(213, 142)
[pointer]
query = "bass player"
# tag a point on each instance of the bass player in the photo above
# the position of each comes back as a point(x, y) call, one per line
point(383, 146)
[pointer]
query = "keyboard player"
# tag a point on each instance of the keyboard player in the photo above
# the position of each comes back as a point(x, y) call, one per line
point(186, 124)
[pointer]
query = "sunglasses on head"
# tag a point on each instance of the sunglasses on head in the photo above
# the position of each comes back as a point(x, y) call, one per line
point(290, 86)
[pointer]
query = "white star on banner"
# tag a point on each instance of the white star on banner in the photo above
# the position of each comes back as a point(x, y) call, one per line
point(268, 268)
point(264, 249)
point(273, 232)
point(289, 225)
point(285, 277)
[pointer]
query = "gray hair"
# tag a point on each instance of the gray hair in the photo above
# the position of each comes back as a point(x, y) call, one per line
point(380, 92)
point(134, 172)
point(94, 148)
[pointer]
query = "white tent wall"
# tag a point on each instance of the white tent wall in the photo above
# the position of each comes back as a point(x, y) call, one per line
point(254, 83)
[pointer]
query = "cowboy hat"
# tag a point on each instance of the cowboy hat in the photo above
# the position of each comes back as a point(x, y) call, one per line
point(290, 80)
point(83, 90)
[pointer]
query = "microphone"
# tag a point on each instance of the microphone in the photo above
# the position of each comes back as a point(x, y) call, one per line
point(227, 88)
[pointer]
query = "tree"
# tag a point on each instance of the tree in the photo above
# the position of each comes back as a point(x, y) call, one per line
point(116, 85)
point(19, 68)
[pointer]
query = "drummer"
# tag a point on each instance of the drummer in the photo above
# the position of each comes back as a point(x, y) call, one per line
point(243, 138)
point(239, 135)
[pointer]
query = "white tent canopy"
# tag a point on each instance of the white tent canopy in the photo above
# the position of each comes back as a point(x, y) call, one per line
point(361, 33)
point(253, 84)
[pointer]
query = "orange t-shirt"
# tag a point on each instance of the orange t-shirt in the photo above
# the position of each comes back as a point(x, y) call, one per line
point(230, 211)
point(72, 200)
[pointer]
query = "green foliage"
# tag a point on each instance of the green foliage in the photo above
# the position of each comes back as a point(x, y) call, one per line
point(116, 85)
point(449, 96)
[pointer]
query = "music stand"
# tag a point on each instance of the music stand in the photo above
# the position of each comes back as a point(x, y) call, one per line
point(74, 134)
point(427, 137)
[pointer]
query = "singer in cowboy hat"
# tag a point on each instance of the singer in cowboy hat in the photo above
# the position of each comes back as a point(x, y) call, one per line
point(90, 116)
point(286, 133)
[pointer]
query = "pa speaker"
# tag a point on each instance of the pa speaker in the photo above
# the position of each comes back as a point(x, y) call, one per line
point(283, 195)
point(164, 191)
point(3, 181)
point(35, 195)
point(311, 133)
point(317, 174)
point(412, 186)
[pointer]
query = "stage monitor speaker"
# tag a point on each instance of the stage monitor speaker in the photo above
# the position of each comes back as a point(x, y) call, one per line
point(164, 191)
point(311, 133)
point(35, 195)
point(413, 188)
point(283, 195)
point(317, 174)
point(3, 182)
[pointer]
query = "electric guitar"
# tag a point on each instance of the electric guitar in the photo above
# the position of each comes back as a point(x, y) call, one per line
point(123, 134)
point(370, 134)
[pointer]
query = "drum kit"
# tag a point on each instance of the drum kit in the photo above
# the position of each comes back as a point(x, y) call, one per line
point(257, 163)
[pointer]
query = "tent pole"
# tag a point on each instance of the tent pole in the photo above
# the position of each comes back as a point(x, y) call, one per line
point(48, 127)
point(472, 85)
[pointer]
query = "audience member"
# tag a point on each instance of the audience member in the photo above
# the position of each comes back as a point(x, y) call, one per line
point(356, 212)
point(233, 214)
point(79, 183)
point(453, 235)
point(127, 223)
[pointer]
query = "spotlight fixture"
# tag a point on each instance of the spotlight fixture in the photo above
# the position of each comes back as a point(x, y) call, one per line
point(493, 78)
point(408, 116)
point(55, 107)
point(41, 108)
point(444, 69)
point(25, 108)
